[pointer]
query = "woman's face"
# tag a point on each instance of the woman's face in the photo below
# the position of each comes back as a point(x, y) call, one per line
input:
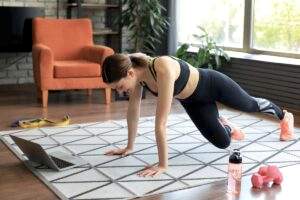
point(126, 84)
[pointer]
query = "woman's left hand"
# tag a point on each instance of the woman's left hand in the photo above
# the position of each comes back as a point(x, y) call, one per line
point(152, 171)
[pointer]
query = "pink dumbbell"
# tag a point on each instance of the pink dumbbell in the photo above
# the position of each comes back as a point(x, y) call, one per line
point(265, 175)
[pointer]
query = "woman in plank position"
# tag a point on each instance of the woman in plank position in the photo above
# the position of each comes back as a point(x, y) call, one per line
point(197, 90)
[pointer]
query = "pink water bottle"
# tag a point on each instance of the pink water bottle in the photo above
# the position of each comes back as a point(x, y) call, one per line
point(234, 172)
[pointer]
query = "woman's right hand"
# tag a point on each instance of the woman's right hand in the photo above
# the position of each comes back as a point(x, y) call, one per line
point(122, 152)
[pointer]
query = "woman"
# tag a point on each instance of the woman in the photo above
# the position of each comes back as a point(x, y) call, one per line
point(198, 90)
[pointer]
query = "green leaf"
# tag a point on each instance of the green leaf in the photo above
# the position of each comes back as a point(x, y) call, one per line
point(143, 20)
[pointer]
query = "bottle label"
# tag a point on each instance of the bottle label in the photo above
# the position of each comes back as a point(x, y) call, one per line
point(236, 173)
point(234, 178)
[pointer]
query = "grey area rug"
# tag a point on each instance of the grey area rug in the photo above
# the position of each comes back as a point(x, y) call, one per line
point(192, 160)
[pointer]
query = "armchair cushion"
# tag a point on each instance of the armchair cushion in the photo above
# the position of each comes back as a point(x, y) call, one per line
point(76, 69)
point(64, 37)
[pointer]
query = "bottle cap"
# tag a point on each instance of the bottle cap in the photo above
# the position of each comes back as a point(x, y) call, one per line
point(235, 157)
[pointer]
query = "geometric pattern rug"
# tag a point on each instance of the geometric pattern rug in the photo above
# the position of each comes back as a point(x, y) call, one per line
point(192, 160)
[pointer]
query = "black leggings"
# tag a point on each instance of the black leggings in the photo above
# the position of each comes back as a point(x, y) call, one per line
point(217, 87)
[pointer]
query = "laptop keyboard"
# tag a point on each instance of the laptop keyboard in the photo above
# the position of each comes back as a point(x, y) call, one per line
point(61, 163)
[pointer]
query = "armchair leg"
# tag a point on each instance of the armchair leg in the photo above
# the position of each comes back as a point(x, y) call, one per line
point(107, 95)
point(89, 92)
point(45, 98)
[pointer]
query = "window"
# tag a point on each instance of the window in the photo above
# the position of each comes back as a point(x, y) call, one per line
point(222, 19)
point(252, 26)
point(277, 25)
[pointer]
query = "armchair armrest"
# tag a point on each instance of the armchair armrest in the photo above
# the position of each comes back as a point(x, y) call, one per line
point(96, 53)
point(42, 63)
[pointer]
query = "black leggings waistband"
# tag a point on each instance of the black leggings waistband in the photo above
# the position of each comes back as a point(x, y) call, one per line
point(201, 93)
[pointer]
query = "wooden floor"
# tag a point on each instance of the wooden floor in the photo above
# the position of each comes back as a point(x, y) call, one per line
point(16, 182)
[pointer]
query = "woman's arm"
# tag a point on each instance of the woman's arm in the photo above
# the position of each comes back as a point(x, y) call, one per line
point(165, 84)
point(133, 113)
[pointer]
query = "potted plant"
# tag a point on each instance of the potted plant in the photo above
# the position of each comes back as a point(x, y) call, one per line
point(209, 55)
point(146, 24)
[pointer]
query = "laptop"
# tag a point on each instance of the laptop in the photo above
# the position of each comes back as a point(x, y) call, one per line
point(58, 161)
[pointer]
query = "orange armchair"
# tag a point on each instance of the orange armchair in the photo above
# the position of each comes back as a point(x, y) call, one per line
point(64, 57)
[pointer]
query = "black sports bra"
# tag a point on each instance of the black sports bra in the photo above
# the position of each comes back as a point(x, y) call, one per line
point(180, 82)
